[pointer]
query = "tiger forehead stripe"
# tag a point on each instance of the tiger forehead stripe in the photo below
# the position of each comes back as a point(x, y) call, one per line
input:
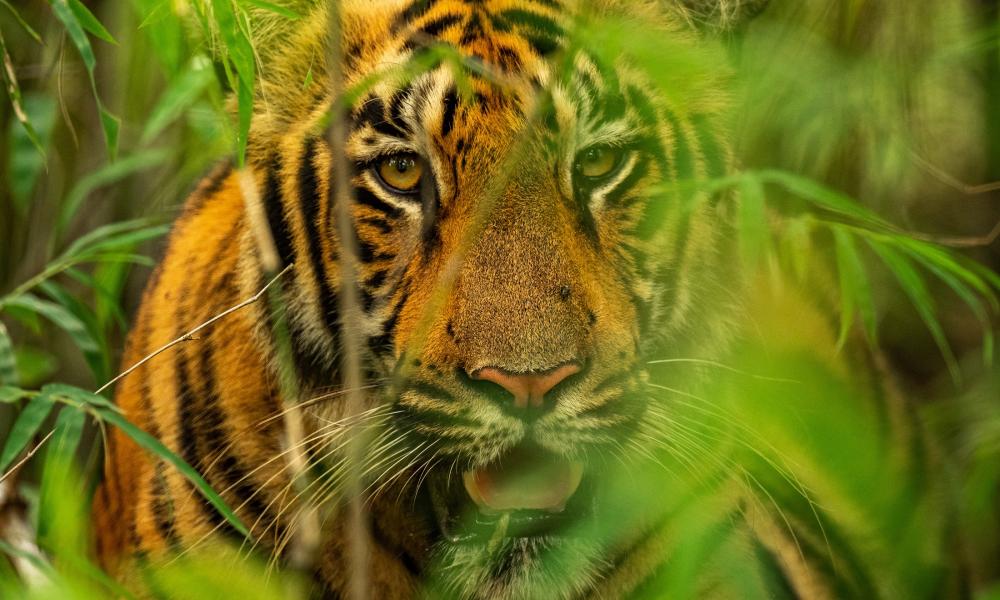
point(467, 22)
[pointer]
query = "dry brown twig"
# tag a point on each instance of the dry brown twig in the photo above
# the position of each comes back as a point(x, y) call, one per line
point(964, 188)
point(350, 312)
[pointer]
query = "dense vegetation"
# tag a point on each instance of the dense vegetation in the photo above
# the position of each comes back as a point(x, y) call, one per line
point(868, 134)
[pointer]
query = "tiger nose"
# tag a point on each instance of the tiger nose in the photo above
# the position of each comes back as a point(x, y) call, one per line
point(528, 389)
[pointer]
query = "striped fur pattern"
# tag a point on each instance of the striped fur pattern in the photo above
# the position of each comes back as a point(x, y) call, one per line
point(604, 272)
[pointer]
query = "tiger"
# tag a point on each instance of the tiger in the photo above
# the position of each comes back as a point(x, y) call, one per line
point(520, 257)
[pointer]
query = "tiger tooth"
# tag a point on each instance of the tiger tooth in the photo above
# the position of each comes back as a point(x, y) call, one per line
point(472, 488)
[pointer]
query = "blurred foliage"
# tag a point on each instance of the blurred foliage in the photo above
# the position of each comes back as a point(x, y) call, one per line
point(857, 122)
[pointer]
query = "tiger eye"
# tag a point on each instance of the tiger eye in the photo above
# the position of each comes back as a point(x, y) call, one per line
point(597, 162)
point(401, 172)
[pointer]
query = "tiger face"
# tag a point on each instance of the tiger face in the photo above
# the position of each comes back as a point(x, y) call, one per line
point(520, 257)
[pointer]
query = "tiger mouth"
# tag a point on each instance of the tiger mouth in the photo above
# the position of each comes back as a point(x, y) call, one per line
point(527, 493)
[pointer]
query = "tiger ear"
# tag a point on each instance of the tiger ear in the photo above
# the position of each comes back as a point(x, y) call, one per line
point(719, 15)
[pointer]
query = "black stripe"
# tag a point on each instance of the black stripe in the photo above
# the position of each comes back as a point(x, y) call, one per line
point(431, 390)
point(366, 197)
point(276, 219)
point(412, 12)
point(383, 342)
point(309, 202)
point(450, 106)
point(380, 536)
point(434, 27)
point(209, 186)
point(396, 108)
point(163, 508)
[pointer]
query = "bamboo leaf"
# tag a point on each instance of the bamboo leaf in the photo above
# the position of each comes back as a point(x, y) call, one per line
point(157, 448)
point(78, 396)
point(178, 97)
point(10, 394)
point(20, 21)
point(87, 317)
point(106, 302)
point(69, 323)
point(753, 221)
point(855, 288)
point(89, 22)
point(967, 295)
point(28, 422)
point(27, 156)
point(82, 243)
point(8, 362)
point(240, 53)
point(13, 90)
point(109, 122)
point(915, 288)
point(106, 175)
point(825, 198)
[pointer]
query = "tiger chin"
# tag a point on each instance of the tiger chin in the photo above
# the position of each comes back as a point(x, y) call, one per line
point(500, 412)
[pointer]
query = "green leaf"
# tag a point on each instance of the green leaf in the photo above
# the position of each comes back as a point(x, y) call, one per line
point(68, 431)
point(157, 448)
point(35, 365)
point(10, 395)
point(915, 288)
point(109, 122)
point(855, 288)
point(274, 8)
point(126, 241)
point(28, 422)
point(13, 90)
point(178, 97)
point(27, 155)
point(754, 231)
point(78, 396)
point(955, 277)
point(90, 22)
point(69, 323)
point(20, 21)
point(82, 244)
point(8, 361)
point(106, 175)
point(240, 53)
point(825, 198)
point(107, 302)
point(87, 317)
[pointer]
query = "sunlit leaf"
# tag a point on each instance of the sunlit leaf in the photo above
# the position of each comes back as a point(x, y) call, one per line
point(855, 288)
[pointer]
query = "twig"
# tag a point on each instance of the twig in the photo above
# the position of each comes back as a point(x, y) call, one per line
point(950, 181)
point(962, 242)
point(190, 334)
point(27, 456)
point(340, 190)
point(305, 532)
